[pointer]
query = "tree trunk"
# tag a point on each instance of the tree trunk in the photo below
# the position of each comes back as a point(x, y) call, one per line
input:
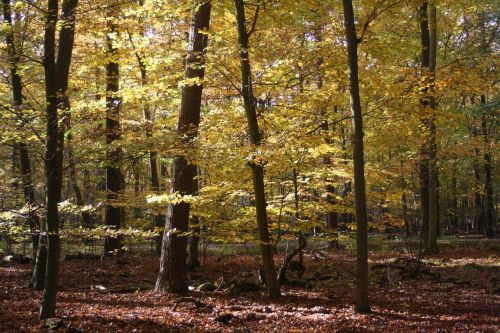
point(489, 205)
point(114, 177)
point(158, 219)
point(194, 239)
point(362, 301)
point(257, 166)
point(86, 218)
point(56, 84)
point(173, 253)
point(424, 149)
point(38, 277)
point(21, 147)
point(478, 196)
point(433, 175)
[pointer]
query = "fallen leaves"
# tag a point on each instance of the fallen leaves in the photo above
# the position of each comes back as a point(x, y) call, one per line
point(414, 305)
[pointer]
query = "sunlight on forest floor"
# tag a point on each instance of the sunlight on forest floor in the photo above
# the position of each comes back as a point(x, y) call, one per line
point(459, 294)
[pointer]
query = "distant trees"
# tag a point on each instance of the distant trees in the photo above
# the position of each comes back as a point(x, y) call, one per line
point(270, 159)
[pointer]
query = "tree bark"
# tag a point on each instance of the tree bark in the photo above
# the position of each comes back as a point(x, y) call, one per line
point(362, 301)
point(114, 177)
point(424, 149)
point(478, 196)
point(266, 248)
point(433, 175)
point(56, 84)
point(51, 164)
point(194, 239)
point(173, 253)
point(489, 205)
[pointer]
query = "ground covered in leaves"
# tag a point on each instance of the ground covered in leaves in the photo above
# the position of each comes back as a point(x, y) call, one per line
point(455, 291)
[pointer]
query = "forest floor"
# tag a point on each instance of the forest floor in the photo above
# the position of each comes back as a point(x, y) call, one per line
point(457, 291)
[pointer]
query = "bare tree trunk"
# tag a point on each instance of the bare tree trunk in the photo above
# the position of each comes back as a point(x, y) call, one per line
point(478, 196)
point(173, 253)
point(362, 301)
point(194, 239)
point(273, 286)
point(114, 177)
point(424, 149)
point(432, 246)
point(489, 205)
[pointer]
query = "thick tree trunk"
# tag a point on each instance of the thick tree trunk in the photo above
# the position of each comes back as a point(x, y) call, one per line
point(114, 177)
point(362, 301)
point(257, 167)
point(56, 84)
point(173, 253)
point(51, 164)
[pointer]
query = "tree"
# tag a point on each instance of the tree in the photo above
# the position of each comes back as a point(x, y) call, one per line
point(21, 147)
point(254, 161)
point(173, 253)
point(158, 219)
point(428, 167)
point(114, 177)
point(56, 84)
point(362, 302)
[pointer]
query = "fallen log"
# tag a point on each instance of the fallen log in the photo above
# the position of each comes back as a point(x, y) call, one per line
point(121, 289)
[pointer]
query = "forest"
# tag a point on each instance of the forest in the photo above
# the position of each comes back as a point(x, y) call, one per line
point(249, 166)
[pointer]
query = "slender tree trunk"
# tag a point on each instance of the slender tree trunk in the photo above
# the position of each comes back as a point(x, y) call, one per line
point(173, 253)
point(331, 217)
point(362, 301)
point(38, 277)
point(158, 219)
point(257, 167)
point(114, 177)
point(194, 239)
point(406, 220)
point(433, 175)
point(424, 149)
point(478, 197)
point(21, 147)
point(73, 178)
point(489, 205)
